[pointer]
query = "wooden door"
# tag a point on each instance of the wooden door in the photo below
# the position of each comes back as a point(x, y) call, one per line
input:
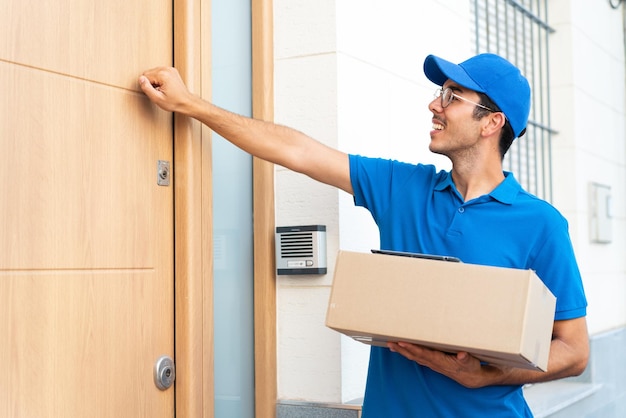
point(86, 233)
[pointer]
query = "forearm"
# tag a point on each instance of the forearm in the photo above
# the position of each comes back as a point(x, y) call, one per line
point(268, 141)
point(569, 352)
point(563, 362)
point(278, 144)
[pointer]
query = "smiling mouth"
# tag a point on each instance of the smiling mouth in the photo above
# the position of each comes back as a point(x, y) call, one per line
point(437, 126)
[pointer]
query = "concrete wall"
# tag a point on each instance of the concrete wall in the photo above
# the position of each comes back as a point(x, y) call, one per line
point(349, 73)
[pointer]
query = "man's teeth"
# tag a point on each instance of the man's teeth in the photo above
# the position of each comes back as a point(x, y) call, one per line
point(437, 126)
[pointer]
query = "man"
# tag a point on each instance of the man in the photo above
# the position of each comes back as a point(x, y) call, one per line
point(475, 212)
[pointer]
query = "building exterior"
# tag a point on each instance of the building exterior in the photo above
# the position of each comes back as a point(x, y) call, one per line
point(350, 74)
point(127, 233)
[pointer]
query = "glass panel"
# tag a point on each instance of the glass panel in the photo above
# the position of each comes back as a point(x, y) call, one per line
point(232, 216)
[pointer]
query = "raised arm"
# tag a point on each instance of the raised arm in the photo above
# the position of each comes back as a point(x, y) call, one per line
point(275, 143)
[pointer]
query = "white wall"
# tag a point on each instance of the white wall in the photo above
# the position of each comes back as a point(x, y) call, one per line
point(306, 99)
point(349, 73)
point(588, 99)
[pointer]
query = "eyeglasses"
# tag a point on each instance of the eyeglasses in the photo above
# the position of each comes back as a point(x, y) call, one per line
point(447, 96)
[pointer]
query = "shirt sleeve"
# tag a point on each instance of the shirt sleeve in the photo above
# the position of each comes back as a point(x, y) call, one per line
point(555, 263)
point(376, 181)
point(369, 177)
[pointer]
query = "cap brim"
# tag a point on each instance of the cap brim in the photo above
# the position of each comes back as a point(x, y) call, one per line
point(439, 71)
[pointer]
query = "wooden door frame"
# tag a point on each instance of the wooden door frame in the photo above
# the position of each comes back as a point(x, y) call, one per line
point(265, 366)
point(193, 218)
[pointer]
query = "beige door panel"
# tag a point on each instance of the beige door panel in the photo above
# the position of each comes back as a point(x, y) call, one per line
point(86, 233)
point(103, 41)
point(80, 174)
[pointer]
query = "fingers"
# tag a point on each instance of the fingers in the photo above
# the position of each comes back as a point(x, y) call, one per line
point(413, 352)
point(150, 80)
point(151, 90)
point(461, 367)
point(163, 86)
point(426, 356)
point(160, 76)
point(144, 82)
point(146, 85)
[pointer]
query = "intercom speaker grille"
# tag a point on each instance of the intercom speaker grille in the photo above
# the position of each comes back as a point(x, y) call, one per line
point(301, 249)
point(296, 244)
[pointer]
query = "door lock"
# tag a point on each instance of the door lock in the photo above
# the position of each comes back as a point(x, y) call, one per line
point(164, 372)
point(163, 173)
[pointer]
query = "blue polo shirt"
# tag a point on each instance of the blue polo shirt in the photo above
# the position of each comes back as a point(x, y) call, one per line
point(418, 209)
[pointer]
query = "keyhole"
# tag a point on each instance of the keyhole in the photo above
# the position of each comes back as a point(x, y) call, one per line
point(164, 373)
point(163, 173)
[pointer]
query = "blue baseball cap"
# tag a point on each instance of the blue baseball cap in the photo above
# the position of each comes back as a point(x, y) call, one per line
point(492, 75)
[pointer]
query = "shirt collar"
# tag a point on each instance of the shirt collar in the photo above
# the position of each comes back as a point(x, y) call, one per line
point(445, 181)
point(506, 192)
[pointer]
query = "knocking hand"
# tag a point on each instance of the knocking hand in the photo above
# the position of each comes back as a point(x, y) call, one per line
point(164, 87)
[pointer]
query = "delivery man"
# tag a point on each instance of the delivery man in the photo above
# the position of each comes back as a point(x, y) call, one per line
point(476, 212)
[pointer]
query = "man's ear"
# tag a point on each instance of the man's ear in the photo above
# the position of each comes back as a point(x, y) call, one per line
point(493, 122)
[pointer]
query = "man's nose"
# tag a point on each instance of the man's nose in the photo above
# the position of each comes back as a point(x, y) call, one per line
point(435, 105)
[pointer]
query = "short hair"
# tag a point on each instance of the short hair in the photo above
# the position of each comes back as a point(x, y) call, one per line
point(506, 135)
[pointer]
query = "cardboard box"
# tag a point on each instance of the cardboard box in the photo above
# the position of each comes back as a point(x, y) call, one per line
point(500, 315)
